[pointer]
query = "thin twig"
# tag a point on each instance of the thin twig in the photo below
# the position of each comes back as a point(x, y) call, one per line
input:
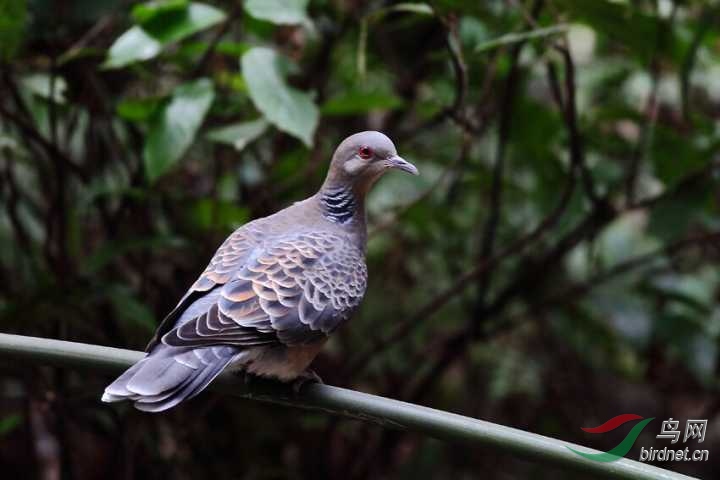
point(530, 275)
point(686, 184)
point(457, 343)
point(650, 111)
point(219, 34)
point(454, 47)
point(624, 267)
point(489, 231)
point(568, 106)
point(464, 281)
point(554, 83)
point(577, 291)
point(11, 206)
point(90, 35)
point(708, 18)
point(50, 149)
point(490, 228)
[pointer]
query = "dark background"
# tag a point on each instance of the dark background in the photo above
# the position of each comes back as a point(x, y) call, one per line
point(555, 265)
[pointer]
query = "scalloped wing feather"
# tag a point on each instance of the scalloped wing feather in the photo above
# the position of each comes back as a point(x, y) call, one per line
point(229, 257)
point(295, 291)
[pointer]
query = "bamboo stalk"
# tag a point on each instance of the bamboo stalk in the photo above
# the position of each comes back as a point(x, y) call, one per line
point(351, 404)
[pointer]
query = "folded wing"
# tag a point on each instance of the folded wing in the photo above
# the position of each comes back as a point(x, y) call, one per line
point(294, 291)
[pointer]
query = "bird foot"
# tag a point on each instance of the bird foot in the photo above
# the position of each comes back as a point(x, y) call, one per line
point(247, 378)
point(308, 376)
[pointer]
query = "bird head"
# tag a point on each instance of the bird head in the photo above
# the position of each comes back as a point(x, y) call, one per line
point(363, 158)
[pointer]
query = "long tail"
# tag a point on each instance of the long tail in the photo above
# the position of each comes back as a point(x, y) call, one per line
point(169, 375)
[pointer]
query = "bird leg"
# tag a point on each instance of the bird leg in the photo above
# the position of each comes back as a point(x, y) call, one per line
point(247, 378)
point(308, 376)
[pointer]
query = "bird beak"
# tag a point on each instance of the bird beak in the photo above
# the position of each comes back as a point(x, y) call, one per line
point(402, 164)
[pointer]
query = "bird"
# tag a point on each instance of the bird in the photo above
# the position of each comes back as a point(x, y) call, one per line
point(273, 292)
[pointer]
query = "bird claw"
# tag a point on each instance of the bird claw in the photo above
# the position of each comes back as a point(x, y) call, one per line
point(308, 376)
point(245, 377)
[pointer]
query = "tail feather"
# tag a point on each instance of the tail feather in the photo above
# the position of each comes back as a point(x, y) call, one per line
point(185, 391)
point(160, 375)
point(168, 376)
point(117, 390)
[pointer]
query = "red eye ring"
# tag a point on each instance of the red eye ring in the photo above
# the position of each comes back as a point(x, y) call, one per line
point(365, 152)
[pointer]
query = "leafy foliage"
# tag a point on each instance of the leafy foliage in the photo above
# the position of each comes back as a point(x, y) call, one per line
point(172, 130)
point(290, 110)
point(160, 24)
point(280, 12)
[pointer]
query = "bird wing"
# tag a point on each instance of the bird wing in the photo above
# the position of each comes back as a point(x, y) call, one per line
point(293, 291)
point(229, 257)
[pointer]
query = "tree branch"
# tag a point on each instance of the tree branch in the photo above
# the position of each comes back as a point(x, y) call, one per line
point(490, 227)
point(568, 107)
point(578, 290)
point(50, 148)
point(492, 222)
point(671, 249)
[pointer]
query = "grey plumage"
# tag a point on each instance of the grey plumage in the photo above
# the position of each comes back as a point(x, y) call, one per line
point(169, 376)
point(272, 293)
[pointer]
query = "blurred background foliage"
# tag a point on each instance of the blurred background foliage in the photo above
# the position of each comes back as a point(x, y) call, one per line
point(554, 265)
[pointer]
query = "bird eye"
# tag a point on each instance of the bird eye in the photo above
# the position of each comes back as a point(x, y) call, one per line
point(365, 152)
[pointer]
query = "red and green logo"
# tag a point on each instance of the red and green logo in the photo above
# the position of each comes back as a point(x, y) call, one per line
point(623, 447)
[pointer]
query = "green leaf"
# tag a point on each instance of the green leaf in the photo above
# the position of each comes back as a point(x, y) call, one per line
point(688, 209)
point(13, 14)
point(159, 28)
point(419, 8)
point(280, 12)
point(361, 56)
point(146, 12)
point(623, 239)
point(287, 108)
point(693, 294)
point(9, 423)
point(209, 213)
point(622, 23)
point(627, 314)
point(238, 134)
point(472, 31)
point(132, 46)
point(40, 85)
point(138, 109)
point(412, 7)
point(235, 49)
point(173, 25)
point(674, 156)
point(231, 81)
point(353, 103)
point(173, 130)
point(692, 338)
point(516, 37)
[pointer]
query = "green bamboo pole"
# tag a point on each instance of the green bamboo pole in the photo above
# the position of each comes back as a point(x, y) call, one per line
point(348, 403)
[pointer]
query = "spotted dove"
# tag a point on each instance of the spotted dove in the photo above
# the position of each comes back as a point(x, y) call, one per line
point(274, 291)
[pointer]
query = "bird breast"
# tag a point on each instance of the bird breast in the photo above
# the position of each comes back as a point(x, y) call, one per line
point(279, 362)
